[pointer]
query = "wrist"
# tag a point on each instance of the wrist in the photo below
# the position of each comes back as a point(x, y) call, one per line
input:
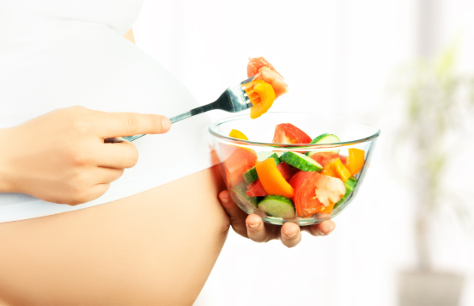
point(5, 184)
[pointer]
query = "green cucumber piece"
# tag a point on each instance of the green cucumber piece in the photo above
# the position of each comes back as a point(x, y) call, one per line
point(277, 206)
point(301, 161)
point(264, 155)
point(324, 138)
point(350, 184)
point(239, 196)
point(251, 175)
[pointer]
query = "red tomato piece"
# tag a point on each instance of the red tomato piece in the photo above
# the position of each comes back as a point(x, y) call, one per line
point(237, 164)
point(256, 63)
point(288, 133)
point(315, 193)
point(255, 189)
point(323, 158)
point(286, 170)
point(261, 69)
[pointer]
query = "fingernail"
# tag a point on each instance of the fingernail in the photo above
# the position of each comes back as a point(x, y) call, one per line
point(166, 124)
point(253, 225)
point(224, 199)
point(291, 235)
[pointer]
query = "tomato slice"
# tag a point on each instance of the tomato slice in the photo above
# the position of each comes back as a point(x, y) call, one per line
point(255, 189)
point(256, 63)
point(288, 133)
point(315, 193)
point(237, 164)
point(286, 170)
point(261, 69)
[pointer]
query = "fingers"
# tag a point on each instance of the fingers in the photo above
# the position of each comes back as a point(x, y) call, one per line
point(129, 124)
point(236, 215)
point(256, 229)
point(322, 229)
point(290, 234)
point(116, 155)
point(92, 193)
point(107, 175)
point(253, 227)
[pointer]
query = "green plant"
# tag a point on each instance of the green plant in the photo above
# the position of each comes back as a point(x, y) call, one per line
point(438, 100)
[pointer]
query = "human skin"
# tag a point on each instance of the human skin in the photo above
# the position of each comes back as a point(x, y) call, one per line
point(154, 248)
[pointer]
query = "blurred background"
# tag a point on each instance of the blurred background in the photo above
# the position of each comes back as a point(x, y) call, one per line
point(406, 66)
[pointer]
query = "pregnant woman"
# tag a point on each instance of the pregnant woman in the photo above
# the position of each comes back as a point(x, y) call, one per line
point(148, 238)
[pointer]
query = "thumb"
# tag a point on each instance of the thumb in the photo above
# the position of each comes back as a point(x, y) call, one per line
point(236, 215)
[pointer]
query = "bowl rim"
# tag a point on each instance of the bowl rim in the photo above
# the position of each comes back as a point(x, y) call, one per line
point(215, 124)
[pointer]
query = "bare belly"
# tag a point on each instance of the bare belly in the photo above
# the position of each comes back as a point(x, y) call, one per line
point(154, 248)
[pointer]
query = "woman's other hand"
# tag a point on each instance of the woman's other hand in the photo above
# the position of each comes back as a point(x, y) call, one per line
point(252, 226)
point(62, 156)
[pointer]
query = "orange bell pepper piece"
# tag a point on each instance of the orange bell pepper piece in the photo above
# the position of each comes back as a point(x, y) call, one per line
point(335, 168)
point(261, 95)
point(329, 170)
point(328, 209)
point(355, 160)
point(272, 180)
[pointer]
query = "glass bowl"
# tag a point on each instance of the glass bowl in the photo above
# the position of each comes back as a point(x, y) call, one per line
point(238, 157)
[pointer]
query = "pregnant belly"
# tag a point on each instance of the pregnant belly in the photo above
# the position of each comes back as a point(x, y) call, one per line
point(92, 66)
point(157, 247)
point(89, 65)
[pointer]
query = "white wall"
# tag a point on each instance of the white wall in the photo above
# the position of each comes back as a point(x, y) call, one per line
point(337, 56)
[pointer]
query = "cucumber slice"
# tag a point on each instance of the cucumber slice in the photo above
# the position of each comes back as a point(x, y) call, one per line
point(239, 196)
point(301, 161)
point(324, 138)
point(277, 206)
point(264, 155)
point(251, 175)
point(350, 184)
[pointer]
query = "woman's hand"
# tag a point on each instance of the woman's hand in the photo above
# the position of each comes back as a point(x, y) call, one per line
point(62, 156)
point(252, 226)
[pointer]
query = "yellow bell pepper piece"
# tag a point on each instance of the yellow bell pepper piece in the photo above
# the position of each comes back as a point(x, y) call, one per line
point(237, 134)
point(261, 95)
point(355, 160)
point(335, 168)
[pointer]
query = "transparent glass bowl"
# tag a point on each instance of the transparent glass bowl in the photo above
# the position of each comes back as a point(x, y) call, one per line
point(260, 133)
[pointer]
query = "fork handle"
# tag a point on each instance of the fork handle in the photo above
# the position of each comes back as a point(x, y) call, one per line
point(194, 111)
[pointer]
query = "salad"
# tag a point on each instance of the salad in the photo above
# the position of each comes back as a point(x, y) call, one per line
point(293, 184)
point(288, 184)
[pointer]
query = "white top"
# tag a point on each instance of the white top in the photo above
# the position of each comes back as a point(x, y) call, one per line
point(58, 53)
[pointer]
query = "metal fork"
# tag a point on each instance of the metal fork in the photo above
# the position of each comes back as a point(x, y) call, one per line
point(233, 100)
